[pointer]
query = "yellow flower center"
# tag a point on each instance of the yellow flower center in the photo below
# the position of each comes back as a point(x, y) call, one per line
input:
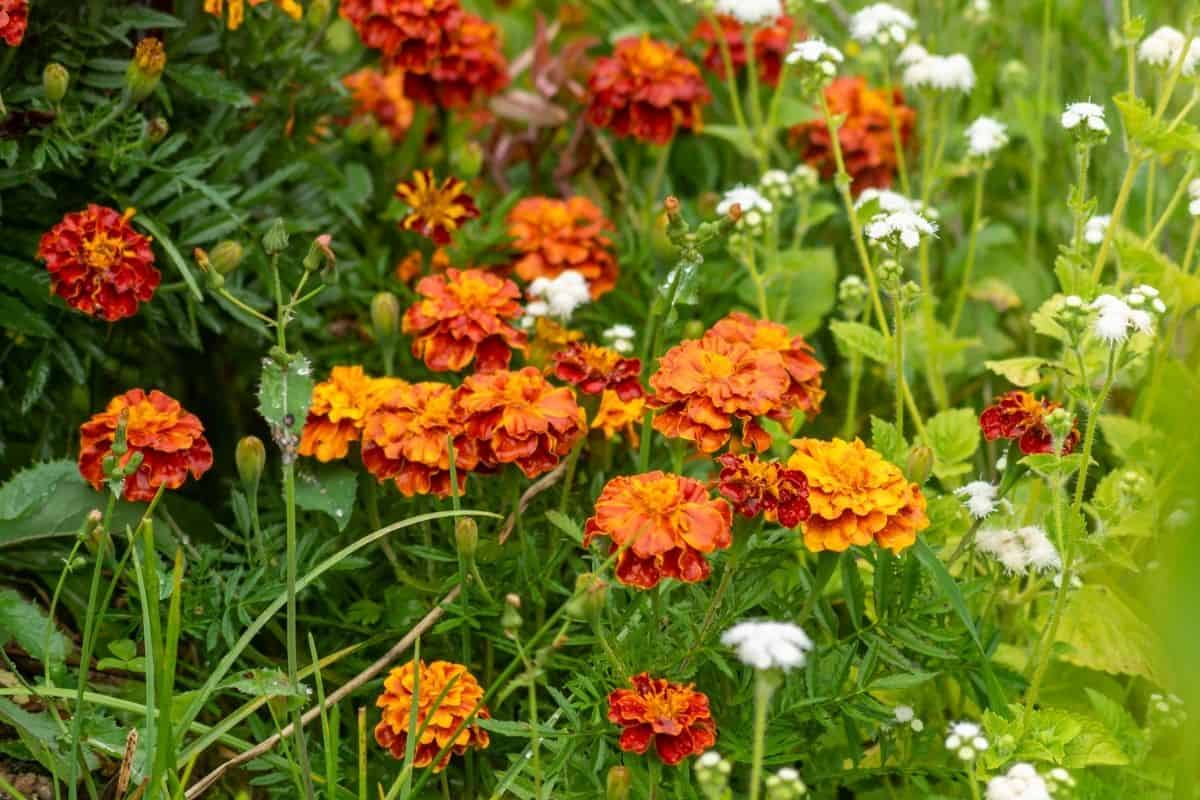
point(102, 251)
point(715, 364)
point(472, 291)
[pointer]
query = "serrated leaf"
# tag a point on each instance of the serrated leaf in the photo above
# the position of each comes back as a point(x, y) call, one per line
point(1054, 735)
point(30, 487)
point(1022, 371)
point(1103, 633)
point(1161, 136)
point(284, 393)
point(328, 488)
point(857, 338)
point(888, 442)
point(901, 680)
point(565, 524)
point(26, 624)
point(265, 683)
point(953, 436)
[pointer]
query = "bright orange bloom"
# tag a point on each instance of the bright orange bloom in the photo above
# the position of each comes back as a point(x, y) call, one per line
point(866, 134)
point(410, 33)
point(594, 369)
point(618, 416)
point(437, 211)
point(381, 95)
point(703, 385)
point(463, 316)
point(663, 525)
point(674, 716)
point(1020, 416)
point(646, 89)
point(405, 438)
point(447, 695)
point(520, 418)
point(763, 487)
point(237, 10)
point(14, 19)
point(771, 43)
point(170, 440)
point(470, 64)
point(336, 414)
point(805, 392)
point(856, 497)
point(556, 235)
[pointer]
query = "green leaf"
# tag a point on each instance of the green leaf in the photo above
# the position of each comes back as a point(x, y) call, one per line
point(888, 441)
point(953, 436)
point(1054, 735)
point(855, 338)
point(1124, 434)
point(565, 524)
point(1159, 136)
point(19, 318)
point(266, 683)
point(328, 488)
point(1051, 466)
point(801, 286)
point(1103, 633)
point(901, 680)
point(30, 487)
point(160, 235)
point(735, 135)
point(1022, 371)
point(26, 624)
point(207, 84)
point(56, 509)
point(140, 18)
point(284, 392)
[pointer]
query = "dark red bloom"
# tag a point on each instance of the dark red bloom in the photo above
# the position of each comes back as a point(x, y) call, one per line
point(409, 32)
point(763, 487)
point(14, 18)
point(673, 716)
point(1020, 416)
point(592, 369)
point(469, 65)
point(771, 43)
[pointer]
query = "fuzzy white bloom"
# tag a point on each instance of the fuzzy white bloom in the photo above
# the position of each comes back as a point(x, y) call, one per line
point(817, 53)
point(711, 758)
point(941, 73)
point(1021, 782)
point(559, 296)
point(904, 714)
point(1094, 229)
point(881, 23)
point(1090, 115)
point(979, 498)
point(888, 200)
point(1162, 48)
point(1116, 318)
point(966, 740)
point(906, 227)
point(1193, 191)
point(749, 198)
point(1040, 552)
point(620, 337)
point(1021, 550)
point(777, 183)
point(985, 136)
point(750, 12)
point(768, 645)
point(911, 54)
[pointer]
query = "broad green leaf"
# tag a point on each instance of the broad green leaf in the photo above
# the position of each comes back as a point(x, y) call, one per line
point(19, 318)
point(1160, 136)
point(888, 442)
point(328, 488)
point(801, 287)
point(265, 683)
point(25, 623)
point(953, 436)
point(1021, 371)
point(1053, 735)
point(736, 136)
point(284, 393)
point(1103, 633)
point(1124, 434)
point(26, 490)
point(59, 509)
point(857, 338)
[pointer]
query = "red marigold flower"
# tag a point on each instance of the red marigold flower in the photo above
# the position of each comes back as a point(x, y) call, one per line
point(594, 369)
point(447, 695)
point(557, 235)
point(866, 134)
point(646, 89)
point(170, 440)
point(470, 64)
point(410, 33)
point(1020, 416)
point(99, 264)
point(437, 211)
point(519, 418)
point(463, 316)
point(405, 439)
point(381, 95)
point(336, 414)
point(618, 416)
point(763, 487)
point(674, 716)
point(771, 43)
point(662, 524)
point(703, 385)
point(805, 392)
point(14, 19)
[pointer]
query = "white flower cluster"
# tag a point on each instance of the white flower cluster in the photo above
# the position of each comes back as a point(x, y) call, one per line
point(785, 785)
point(906, 716)
point(1021, 550)
point(889, 201)
point(1021, 782)
point(881, 23)
point(1090, 115)
point(755, 207)
point(1162, 48)
point(776, 185)
point(1059, 778)
point(1193, 191)
point(768, 645)
point(559, 296)
point(750, 12)
point(903, 227)
point(952, 73)
point(1165, 711)
point(985, 136)
point(620, 337)
point(979, 497)
point(966, 740)
point(1095, 228)
point(1117, 317)
point(818, 55)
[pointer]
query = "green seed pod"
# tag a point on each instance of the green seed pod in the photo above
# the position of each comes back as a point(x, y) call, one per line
point(920, 464)
point(510, 618)
point(466, 537)
point(226, 256)
point(276, 239)
point(55, 80)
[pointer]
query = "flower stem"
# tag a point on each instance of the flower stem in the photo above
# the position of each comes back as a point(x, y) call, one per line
point(1172, 204)
point(1085, 153)
point(972, 242)
point(850, 425)
point(1039, 132)
point(763, 689)
point(1135, 161)
point(898, 357)
point(894, 121)
point(1090, 434)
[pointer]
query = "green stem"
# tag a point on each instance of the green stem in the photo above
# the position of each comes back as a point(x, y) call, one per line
point(898, 357)
point(735, 100)
point(760, 288)
point(1090, 434)
point(1135, 161)
point(972, 242)
point(894, 121)
point(1085, 153)
point(1173, 204)
point(1039, 132)
point(850, 425)
point(289, 493)
point(763, 689)
point(755, 106)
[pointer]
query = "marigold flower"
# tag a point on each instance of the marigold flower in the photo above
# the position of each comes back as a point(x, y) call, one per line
point(447, 694)
point(855, 496)
point(594, 369)
point(14, 19)
point(99, 264)
point(866, 138)
point(336, 414)
point(463, 316)
point(405, 438)
point(1020, 416)
point(381, 95)
point(662, 524)
point(805, 392)
point(763, 487)
point(673, 716)
point(646, 89)
point(618, 416)
point(556, 235)
point(520, 418)
point(410, 33)
point(170, 440)
point(469, 64)
point(437, 210)
point(237, 10)
point(771, 43)
point(702, 385)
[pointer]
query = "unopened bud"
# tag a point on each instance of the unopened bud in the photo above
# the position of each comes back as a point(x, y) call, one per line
point(146, 68)
point(618, 783)
point(55, 80)
point(467, 160)
point(785, 785)
point(157, 129)
point(466, 537)
point(920, 464)
point(693, 329)
point(318, 13)
point(275, 241)
point(591, 595)
point(381, 142)
point(226, 256)
point(320, 254)
point(340, 37)
point(251, 458)
point(510, 618)
point(360, 129)
point(712, 774)
point(385, 317)
point(1060, 423)
point(891, 273)
point(852, 296)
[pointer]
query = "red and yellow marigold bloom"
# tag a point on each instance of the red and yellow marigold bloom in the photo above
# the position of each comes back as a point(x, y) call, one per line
point(171, 442)
point(593, 369)
point(14, 19)
point(663, 525)
point(380, 94)
point(556, 235)
point(336, 413)
point(409, 33)
point(646, 89)
point(447, 695)
point(436, 210)
point(617, 416)
point(464, 316)
point(856, 497)
point(520, 418)
point(406, 436)
point(1020, 416)
point(672, 716)
point(868, 146)
point(469, 65)
point(768, 488)
point(804, 393)
point(771, 44)
point(99, 264)
point(703, 385)
point(237, 10)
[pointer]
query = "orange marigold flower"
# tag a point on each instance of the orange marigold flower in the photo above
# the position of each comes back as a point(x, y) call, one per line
point(405, 438)
point(336, 414)
point(763, 487)
point(855, 496)
point(646, 89)
point(437, 210)
point(619, 416)
point(99, 264)
point(463, 316)
point(702, 385)
point(14, 19)
point(447, 696)
point(237, 10)
point(381, 95)
point(470, 64)
point(805, 392)
point(674, 716)
point(662, 524)
point(771, 43)
point(594, 369)
point(410, 33)
point(866, 134)
point(170, 440)
point(1020, 416)
point(556, 235)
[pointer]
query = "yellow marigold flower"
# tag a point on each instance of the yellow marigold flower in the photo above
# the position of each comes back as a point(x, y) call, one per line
point(150, 57)
point(447, 695)
point(619, 416)
point(237, 10)
point(337, 413)
point(855, 496)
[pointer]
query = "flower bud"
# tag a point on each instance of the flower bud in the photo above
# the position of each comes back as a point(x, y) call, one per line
point(920, 464)
point(320, 254)
point(318, 13)
point(466, 537)
point(510, 618)
point(340, 37)
point(146, 68)
point(276, 239)
point(467, 160)
point(693, 329)
point(381, 142)
point(226, 256)
point(890, 274)
point(251, 458)
point(1060, 423)
point(785, 785)
point(55, 80)
point(712, 773)
point(385, 317)
point(1014, 76)
point(618, 783)
point(591, 595)
point(157, 129)
point(360, 129)
point(852, 295)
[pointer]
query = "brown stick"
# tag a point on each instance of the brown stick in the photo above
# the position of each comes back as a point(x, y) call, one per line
point(537, 487)
point(265, 746)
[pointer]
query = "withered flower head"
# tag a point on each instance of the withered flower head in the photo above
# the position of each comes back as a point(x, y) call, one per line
point(1020, 416)
point(763, 487)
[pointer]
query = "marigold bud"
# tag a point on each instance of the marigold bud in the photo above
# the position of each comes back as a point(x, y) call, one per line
point(276, 239)
point(251, 458)
point(381, 142)
point(226, 256)
point(385, 319)
point(318, 13)
point(694, 329)
point(466, 537)
point(55, 80)
point(360, 130)
point(467, 160)
point(157, 129)
point(340, 37)
point(146, 68)
point(510, 618)
point(618, 784)
point(591, 595)
point(320, 254)
point(920, 464)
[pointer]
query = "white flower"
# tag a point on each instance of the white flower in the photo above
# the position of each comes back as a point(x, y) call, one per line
point(620, 337)
point(768, 645)
point(1090, 114)
point(777, 182)
point(980, 498)
point(749, 198)
point(966, 739)
point(1094, 229)
point(941, 73)
point(817, 53)
point(559, 296)
point(911, 54)
point(888, 200)
point(1161, 49)
point(1116, 317)
point(881, 23)
point(917, 725)
point(1020, 550)
point(1022, 782)
point(750, 12)
point(1040, 552)
point(985, 136)
point(710, 759)
point(903, 714)
point(905, 227)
